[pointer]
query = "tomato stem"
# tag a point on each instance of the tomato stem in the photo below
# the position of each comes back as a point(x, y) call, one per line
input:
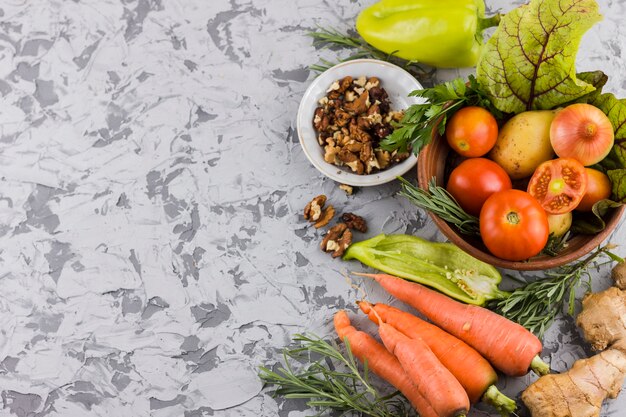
point(512, 217)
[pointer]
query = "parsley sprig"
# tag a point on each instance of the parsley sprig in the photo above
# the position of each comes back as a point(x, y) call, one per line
point(420, 121)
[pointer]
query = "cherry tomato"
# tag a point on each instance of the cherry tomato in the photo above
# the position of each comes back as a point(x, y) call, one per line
point(583, 132)
point(598, 188)
point(474, 180)
point(472, 131)
point(513, 225)
point(559, 185)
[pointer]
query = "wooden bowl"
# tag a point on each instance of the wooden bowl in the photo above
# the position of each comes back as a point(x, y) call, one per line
point(432, 163)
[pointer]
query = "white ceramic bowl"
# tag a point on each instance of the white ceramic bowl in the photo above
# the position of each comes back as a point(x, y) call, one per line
point(397, 82)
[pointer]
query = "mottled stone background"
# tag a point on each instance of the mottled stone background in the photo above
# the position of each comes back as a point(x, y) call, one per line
point(152, 252)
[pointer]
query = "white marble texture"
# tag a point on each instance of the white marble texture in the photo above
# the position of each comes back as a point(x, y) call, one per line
point(152, 250)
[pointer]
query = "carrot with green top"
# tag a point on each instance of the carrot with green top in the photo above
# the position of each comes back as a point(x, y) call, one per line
point(433, 380)
point(366, 349)
point(508, 346)
point(474, 372)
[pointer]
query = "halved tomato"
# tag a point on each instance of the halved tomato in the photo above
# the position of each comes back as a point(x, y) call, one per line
point(559, 185)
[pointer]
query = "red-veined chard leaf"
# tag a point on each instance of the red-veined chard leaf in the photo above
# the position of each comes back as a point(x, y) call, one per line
point(618, 184)
point(529, 62)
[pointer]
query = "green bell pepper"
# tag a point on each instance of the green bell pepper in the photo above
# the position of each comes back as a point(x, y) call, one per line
point(441, 33)
point(442, 266)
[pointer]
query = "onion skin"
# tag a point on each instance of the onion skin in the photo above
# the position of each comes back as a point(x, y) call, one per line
point(583, 132)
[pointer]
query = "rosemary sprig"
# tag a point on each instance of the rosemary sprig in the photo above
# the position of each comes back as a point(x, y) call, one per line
point(334, 39)
point(440, 202)
point(536, 304)
point(420, 121)
point(556, 244)
point(333, 381)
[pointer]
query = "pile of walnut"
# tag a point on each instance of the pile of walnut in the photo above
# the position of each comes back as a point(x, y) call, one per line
point(580, 391)
point(338, 237)
point(352, 119)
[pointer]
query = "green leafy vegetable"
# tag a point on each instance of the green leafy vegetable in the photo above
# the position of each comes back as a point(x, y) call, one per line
point(529, 62)
point(597, 79)
point(333, 381)
point(618, 184)
point(593, 222)
point(420, 121)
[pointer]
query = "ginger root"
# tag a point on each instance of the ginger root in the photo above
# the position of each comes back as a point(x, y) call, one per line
point(580, 391)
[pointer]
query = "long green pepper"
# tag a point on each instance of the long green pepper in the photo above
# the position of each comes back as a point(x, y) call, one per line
point(442, 266)
point(441, 33)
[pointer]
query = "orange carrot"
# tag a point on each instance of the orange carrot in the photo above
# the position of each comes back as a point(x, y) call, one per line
point(508, 346)
point(433, 380)
point(468, 366)
point(366, 349)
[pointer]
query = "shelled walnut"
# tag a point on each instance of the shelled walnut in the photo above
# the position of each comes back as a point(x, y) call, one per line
point(351, 120)
point(316, 213)
point(337, 240)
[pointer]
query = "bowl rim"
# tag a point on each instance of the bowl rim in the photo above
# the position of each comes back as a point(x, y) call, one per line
point(531, 264)
point(337, 173)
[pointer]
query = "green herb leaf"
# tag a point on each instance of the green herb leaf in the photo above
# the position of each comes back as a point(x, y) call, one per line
point(440, 202)
point(331, 38)
point(536, 304)
point(529, 62)
point(331, 380)
point(556, 244)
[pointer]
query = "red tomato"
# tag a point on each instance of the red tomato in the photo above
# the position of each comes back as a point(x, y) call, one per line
point(472, 131)
point(513, 225)
point(598, 188)
point(559, 185)
point(583, 132)
point(474, 180)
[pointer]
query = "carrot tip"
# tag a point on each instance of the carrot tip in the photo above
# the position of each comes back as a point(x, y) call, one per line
point(363, 306)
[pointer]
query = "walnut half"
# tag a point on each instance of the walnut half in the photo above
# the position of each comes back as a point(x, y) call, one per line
point(313, 210)
point(337, 240)
point(327, 215)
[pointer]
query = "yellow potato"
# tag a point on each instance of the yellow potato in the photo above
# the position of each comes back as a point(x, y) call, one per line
point(559, 223)
point(524, 143)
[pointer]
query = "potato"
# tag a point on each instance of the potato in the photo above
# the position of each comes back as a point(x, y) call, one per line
point(559, 223)
point(524, 143)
